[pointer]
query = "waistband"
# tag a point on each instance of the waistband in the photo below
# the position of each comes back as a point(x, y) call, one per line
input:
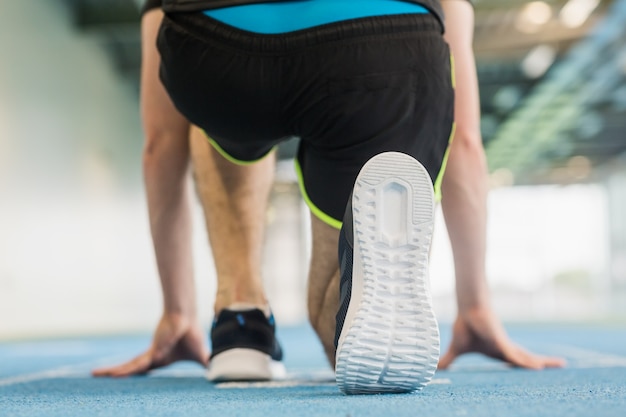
point(289, 16)
point(209, 29)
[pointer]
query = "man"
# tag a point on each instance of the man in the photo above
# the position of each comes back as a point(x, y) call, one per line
point(236, 239)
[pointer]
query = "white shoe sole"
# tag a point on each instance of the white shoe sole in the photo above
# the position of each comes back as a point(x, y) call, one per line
point(244, 365)
point(389, 342)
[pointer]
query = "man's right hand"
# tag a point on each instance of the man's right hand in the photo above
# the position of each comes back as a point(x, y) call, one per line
point(480, 331)
point(176, 338)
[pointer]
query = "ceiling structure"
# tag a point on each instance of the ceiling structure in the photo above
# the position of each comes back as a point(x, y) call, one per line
point(552, 79)
point(553, 87)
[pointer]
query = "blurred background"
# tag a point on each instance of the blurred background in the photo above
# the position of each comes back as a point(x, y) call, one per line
point(75, 249)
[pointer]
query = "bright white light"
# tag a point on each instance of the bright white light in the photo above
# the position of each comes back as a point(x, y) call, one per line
point(576, 12)
point(534, 15)
point(538, 60)
point(538, 12)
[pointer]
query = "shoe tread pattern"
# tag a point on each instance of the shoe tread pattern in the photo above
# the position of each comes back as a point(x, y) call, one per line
point(392, 344)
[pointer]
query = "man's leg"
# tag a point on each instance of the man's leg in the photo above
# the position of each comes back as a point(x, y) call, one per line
point(323, 291)
point(234, 199)
point(387, 335)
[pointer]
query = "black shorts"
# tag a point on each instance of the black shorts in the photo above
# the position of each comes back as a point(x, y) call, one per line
point(149, 5)
point(349, 90)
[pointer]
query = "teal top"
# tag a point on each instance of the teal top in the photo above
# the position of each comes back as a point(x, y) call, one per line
point(289, 16)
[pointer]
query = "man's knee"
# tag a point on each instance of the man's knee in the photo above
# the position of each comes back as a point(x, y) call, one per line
point(165, 148)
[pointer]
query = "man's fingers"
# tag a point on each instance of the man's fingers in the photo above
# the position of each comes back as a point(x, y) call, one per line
point(526, 362)
point(553, 362)
point(511, 354)
point(524, 359)
point(101, 372)
point(446, 360)
point(139, 365)
point(110, 372)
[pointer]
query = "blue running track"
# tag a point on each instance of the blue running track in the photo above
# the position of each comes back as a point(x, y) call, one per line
point(51, 378)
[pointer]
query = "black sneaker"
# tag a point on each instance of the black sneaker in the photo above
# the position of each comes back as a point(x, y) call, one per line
point(387, 337)
point(245, 347)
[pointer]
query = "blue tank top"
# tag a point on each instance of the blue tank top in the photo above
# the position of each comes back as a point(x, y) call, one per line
point(282, 17)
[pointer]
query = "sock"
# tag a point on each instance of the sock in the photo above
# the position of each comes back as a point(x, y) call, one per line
point(249, 306)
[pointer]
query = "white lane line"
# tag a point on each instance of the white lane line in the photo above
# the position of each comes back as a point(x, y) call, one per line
point(81, 370)
point(293, 379)
point(274, 384)
point(298, 383)
point(490, 365)
point(440, 381)
point(577, 358)
point(39, 376)
point(587, 358)
point(178, 373)
point(68, 371)
point(301, 379)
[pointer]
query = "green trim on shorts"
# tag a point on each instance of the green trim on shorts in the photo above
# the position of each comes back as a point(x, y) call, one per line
point(453, 73)
point(442, 171)
point(444, 163)
point(332, 222)
point(229, 158)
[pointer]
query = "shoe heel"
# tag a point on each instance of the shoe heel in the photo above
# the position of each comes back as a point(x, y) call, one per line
point(241, 364)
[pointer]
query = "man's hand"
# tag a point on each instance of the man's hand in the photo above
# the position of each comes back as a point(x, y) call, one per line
point(481, 332)
point(176, 338)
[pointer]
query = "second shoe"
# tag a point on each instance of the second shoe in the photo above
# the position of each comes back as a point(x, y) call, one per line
point(244, 347)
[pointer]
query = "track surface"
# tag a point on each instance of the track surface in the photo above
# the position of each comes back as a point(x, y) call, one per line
point(51, 378)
